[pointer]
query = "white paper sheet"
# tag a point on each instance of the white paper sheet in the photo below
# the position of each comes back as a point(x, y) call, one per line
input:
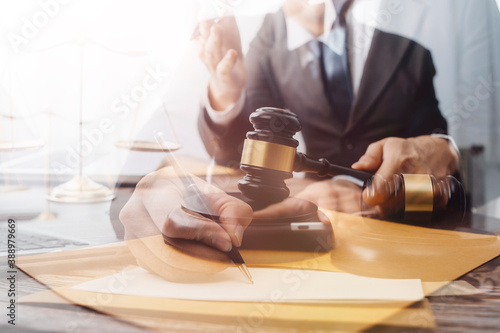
point(270, 285)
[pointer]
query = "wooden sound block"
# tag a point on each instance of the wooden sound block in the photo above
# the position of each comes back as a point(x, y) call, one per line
point(286, 230)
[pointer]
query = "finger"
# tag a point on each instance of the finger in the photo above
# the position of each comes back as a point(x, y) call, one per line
point(226, 65)
point(204, 28)
point(385, 154)
point(378, 189)
point(403, 156)
point(372, 158)
point(234, 215)
point(191, 226)
point(323, 217)
point(388, 208)
point(391, 164)
point(204, 31)
point(201, 42)
point(213, 48)
point(231, 33)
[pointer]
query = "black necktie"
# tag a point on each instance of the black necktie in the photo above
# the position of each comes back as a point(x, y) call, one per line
point(335, 67)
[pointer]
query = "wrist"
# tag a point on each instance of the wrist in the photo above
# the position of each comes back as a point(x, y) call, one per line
point(454, 152)
point(221, 99)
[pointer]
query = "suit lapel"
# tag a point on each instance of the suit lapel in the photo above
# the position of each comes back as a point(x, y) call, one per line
point(384, 58)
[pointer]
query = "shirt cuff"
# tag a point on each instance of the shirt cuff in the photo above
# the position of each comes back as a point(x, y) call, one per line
point(449, 139)
point(228, 115)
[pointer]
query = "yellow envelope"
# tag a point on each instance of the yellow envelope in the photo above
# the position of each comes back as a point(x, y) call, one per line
point(362, 246)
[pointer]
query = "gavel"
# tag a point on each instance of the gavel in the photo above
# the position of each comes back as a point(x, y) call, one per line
point(270, 156)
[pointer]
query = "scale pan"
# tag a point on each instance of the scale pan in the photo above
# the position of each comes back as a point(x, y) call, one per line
point(147, 146)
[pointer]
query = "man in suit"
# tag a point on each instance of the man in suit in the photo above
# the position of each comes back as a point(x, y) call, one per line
point(379, 116)
point(376, 108)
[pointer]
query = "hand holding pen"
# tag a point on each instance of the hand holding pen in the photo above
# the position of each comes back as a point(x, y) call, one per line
point(200, 202)
point(200, 245)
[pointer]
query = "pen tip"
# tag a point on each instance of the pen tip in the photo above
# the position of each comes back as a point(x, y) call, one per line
point(243, 268)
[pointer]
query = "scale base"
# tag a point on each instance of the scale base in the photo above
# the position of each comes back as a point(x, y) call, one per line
point(12, 146)
point(81, 189)
point(46, 216)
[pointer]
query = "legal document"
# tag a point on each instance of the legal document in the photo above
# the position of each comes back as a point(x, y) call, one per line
point(270, 285)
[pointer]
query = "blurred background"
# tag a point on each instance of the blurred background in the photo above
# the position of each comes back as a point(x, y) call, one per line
point(122, 63)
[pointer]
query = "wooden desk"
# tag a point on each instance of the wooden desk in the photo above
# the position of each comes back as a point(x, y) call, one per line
point(452, 313)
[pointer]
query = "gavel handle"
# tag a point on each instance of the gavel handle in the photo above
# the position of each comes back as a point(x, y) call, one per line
point(324, 168)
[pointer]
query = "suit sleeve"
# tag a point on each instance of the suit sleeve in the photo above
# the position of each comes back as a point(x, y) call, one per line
point(225, 143)
point(426, 118)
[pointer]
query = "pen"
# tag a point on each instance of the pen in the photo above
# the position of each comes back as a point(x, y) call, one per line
point(234, 254)
point(192, 189)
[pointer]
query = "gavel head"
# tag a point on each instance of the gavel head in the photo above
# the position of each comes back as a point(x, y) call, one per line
point(268, 155)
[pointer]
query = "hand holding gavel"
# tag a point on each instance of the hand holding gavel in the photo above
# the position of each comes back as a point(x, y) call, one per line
point(269, 157)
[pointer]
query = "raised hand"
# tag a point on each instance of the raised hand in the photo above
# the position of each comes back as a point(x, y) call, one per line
point(220, 51)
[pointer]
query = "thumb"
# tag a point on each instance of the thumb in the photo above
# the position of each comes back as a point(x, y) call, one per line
point(372, 158)
point(381, 186)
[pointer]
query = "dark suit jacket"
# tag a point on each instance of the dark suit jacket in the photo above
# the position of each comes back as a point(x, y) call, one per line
point(396, 98)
